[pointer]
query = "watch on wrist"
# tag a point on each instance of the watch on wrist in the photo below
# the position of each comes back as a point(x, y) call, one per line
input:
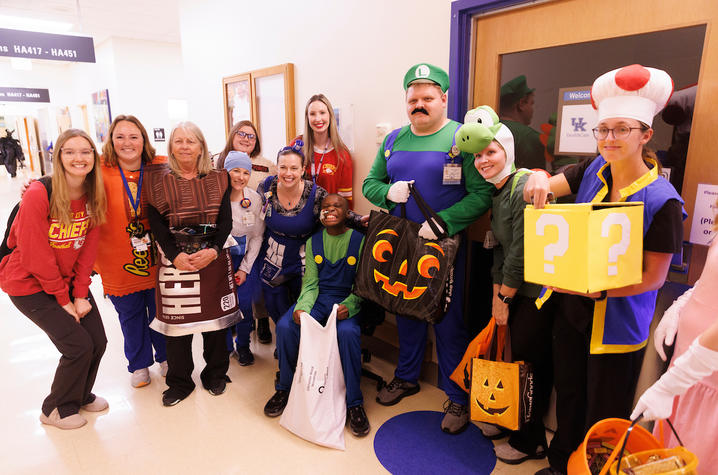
point(504, 298)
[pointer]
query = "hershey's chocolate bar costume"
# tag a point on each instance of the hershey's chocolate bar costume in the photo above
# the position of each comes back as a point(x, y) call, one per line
point(190, 302)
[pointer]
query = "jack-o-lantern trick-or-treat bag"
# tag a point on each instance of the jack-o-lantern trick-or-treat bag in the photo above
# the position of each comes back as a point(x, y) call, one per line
point(404, 273)
point(501, 391)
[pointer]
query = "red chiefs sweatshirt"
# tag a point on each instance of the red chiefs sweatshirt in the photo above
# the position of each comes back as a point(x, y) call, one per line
point(48, 256)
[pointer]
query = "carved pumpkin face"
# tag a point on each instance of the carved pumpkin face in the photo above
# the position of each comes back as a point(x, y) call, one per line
point(421, 271)
point(495, 394)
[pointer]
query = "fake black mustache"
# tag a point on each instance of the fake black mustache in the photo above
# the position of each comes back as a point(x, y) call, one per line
point(419, 110)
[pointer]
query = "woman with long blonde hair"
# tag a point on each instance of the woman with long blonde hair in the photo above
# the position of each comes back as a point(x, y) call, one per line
point(53, 242)
point(329, 163)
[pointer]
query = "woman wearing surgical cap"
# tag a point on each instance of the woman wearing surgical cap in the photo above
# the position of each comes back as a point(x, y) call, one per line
point(247, 231)
point(600, 338)
point(492, 145)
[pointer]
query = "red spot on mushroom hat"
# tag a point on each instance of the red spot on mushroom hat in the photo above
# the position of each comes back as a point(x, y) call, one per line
point(632, 92)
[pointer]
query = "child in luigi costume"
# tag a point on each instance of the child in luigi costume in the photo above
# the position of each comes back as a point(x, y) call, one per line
point(332, 257)
point(492, 145)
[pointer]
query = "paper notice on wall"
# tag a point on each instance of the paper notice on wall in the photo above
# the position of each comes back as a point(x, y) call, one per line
point(704, 214)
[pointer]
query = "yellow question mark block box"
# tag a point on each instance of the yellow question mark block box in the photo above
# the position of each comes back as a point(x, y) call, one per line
point(584, 247)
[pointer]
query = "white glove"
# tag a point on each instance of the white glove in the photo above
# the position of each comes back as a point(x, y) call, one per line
point(692, 366)
point(399, 191)
point(668, 326)
point(426, 232)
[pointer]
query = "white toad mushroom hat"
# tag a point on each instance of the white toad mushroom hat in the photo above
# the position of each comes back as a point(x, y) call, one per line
point(634, 92)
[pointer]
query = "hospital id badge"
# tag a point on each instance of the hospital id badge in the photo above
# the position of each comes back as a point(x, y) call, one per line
point(452, 174)
point(140, 243)
point(248, 219)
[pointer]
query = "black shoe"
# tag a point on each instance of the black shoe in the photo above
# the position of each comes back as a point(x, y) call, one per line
point(395, 391)
point(358, 421)
point(244, 356)
point(171, 398)
point(263, 333)
point(276, 404)
point(218, 388)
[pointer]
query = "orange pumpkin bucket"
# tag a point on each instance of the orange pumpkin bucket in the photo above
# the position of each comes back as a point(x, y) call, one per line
point(610, 432)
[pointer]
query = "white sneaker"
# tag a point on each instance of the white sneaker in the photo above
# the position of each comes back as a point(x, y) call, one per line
point(98, 405)
point(140, 378)
point(73, 421)
point(163, 369)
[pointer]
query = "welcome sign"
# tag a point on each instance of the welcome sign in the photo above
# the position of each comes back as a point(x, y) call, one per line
point(575, 119)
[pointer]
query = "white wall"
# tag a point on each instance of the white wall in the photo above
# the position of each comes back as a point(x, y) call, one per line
point(355, 52)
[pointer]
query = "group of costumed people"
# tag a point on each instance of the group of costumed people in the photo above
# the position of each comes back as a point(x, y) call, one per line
point(188, 247)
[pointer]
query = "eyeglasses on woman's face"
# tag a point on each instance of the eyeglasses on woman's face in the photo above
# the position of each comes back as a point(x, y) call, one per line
point(246, 135)
point(619, 132)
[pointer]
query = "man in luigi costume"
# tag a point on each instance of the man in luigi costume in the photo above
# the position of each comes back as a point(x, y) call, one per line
point(425, 153)
point(516, 110)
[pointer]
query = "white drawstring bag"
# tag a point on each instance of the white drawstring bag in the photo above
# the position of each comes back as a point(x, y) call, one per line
point(316, 410)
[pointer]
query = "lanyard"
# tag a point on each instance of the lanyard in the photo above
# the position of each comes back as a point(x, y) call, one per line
point(134, 202)
point(316, 171)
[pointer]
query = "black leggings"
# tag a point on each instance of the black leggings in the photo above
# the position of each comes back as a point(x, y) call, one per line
point(81, 345)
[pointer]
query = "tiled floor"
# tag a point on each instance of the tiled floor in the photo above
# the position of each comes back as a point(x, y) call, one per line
point(203, 434)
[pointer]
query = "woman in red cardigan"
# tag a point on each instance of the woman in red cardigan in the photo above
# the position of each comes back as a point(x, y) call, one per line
point(54, 242)
point(329, 163)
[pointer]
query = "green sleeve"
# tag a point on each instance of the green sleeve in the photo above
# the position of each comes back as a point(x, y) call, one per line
point(497, 273)
point(476, 202)
point(376, 184)
point(513, 269)
point(310, 282)
point(353, 301)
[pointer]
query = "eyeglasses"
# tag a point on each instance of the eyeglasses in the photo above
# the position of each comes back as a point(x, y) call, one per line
point(74, 153)
point(619, 133)
point(246, 135)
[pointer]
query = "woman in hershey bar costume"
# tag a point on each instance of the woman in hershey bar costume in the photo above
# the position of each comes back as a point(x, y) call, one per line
point(190, 215)
point(600, 338)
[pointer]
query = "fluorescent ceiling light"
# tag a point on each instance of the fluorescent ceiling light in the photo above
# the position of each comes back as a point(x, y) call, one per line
point(33, 24)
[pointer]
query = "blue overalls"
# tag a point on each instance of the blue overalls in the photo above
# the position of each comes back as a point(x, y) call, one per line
point(452, 338)
point(282, 257)
point(336, 280)
point(245, 293)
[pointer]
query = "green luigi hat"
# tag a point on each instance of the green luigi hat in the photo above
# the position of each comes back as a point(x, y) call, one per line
point(481, 126)
point(426, 73)
point(514, 90)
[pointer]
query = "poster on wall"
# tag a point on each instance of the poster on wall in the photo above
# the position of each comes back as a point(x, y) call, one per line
point(239, 101)
point(576, 118)
point(103, 116)
point(63, 119)
point(704, 213)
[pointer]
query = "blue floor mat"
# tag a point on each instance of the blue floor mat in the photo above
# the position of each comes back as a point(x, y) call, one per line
point(413, 443)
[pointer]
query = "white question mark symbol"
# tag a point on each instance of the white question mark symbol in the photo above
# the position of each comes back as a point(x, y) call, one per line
point(621, 247)
point(558, 248)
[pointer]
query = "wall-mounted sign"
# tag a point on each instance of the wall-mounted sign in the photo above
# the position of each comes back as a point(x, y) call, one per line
point(576, 118)
point(33, 45)
point(24, 94)
point(704, 213)
point(159, 135)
